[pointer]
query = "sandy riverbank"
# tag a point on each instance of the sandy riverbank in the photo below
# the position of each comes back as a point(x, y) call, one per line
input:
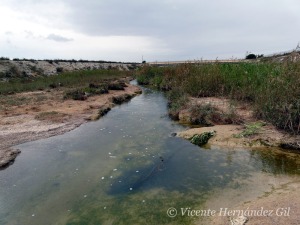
point(35, 115)
point(230, 135)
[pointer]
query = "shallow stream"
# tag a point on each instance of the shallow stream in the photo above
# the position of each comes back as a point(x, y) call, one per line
point(126, 168)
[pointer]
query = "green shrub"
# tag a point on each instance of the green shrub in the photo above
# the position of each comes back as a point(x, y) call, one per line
point(271, 88)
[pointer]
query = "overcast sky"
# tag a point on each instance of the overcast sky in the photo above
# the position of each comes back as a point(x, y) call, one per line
point(127, 30)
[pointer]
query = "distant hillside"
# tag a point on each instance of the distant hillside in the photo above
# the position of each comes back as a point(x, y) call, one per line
point(291, 56)
point(29, 68)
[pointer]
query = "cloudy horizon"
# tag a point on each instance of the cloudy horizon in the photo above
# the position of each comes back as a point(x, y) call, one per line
point(132, 30)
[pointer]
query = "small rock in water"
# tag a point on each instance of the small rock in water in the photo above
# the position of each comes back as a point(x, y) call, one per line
point(111, 177)
point(143, 201)
point(240, 220)
point(102, 178)
point(130, 189)
point(104, 207)
point(32, 215)
point(85, 196)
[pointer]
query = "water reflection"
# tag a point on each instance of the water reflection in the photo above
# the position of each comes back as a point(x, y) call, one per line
point(125, 169)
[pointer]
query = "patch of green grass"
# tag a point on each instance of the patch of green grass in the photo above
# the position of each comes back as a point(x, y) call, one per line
point(66, 79)
point(202, 139)
point(250, 129)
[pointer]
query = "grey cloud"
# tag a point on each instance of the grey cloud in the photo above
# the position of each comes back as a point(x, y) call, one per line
point(193, 27)
point(190, 28)
point(58, 38)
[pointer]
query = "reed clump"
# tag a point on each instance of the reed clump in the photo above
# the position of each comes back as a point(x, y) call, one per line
point(273, 89)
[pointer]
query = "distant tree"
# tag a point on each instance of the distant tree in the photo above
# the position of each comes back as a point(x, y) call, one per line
point(251, 56)
point(4, 58)
point(59, 69)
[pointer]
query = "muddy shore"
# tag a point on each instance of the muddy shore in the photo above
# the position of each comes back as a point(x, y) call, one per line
point(41, 114)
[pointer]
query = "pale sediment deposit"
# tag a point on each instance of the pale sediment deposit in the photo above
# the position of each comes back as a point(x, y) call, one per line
point(42, 114)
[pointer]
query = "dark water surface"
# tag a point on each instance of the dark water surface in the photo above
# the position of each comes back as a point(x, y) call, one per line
point(126, 168)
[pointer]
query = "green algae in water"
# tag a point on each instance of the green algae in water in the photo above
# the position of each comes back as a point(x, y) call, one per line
point(139, 208)
point(59, 180)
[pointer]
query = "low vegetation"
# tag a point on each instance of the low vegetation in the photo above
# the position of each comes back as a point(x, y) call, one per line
point(73, 79)
point(251, 129)
point(202, 139)
point(271, 88)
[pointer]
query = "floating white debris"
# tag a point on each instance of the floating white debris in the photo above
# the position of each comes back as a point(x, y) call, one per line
point(143, 201)
point(120, 181)
point(115, 169)
point(146, 148)
point(130, 189)
point(111, 177)
point(85, 196)
point(137, 171)
point(32, 215)
point(102, 178)
point(109, 153)
point(104, 207)
point(112, 156)
point(15, 185)
point(130, 153)
point(109, 132)
point(128, 159)
point(76, 169)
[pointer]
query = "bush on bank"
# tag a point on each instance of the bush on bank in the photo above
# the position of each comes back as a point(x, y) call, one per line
point(272, 88)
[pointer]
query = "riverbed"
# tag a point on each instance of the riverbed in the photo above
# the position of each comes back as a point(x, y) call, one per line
point(128, 168)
